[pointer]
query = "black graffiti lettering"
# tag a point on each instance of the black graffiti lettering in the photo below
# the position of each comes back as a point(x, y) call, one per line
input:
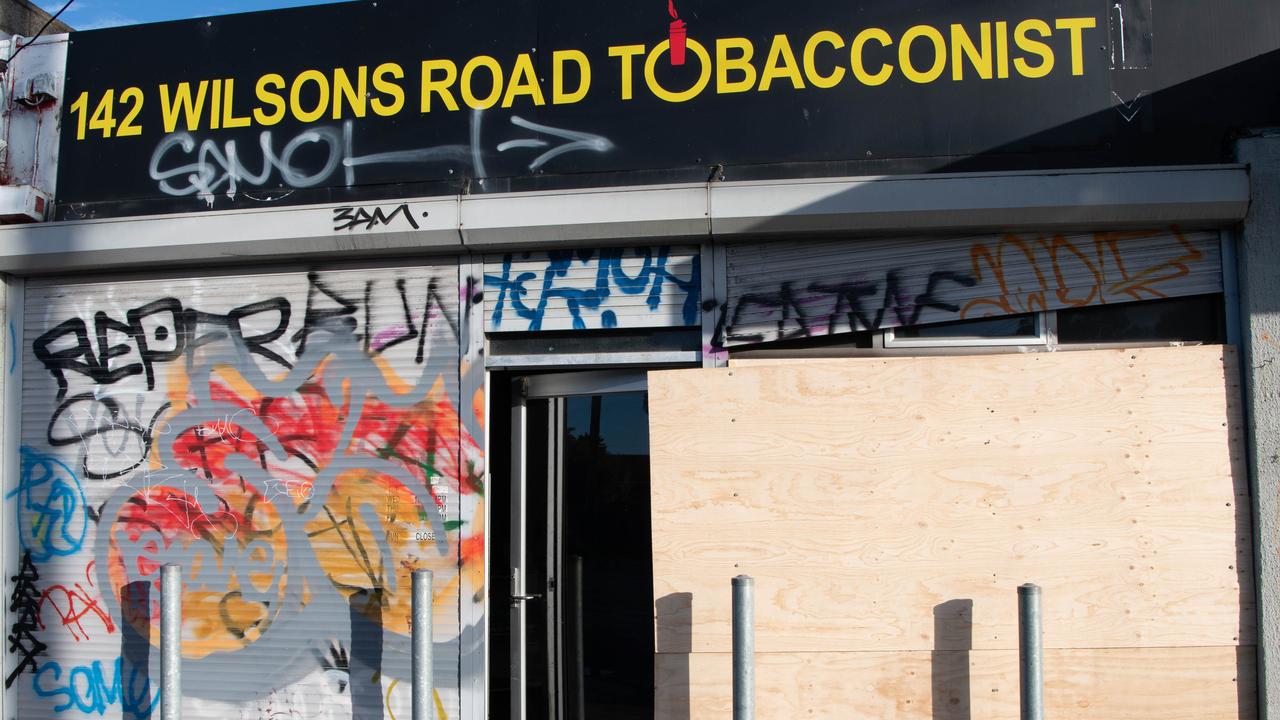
point(474, 295)
point(329, 310)
point(198, 329)
point(344, 218)
point(257, 344)
point(150, 334)
point(849, 295)
point(162, 331)
point(434, 299)
point(25, 602)
point(78, 358)
point(722, 317)
point(893, 300)
point(368, 315)
point(82, 358)
point(103, 325)
point(741, 321)
point(339, 320)
point(783, 301)
point(411, 330)
point(349, 218)
point(927, 299)
point(201, 328)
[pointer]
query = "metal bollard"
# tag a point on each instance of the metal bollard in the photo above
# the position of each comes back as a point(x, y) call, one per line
point(171, 642)
point(744, 649)
point(1030, 676)
point(423, 683)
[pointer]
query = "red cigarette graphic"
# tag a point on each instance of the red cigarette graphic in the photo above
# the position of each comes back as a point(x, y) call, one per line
point(677, 34)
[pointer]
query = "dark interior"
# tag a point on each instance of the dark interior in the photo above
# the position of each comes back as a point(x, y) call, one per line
point(597, 624)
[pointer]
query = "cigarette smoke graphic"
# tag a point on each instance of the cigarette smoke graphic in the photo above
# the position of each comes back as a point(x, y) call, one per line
point(676, 35)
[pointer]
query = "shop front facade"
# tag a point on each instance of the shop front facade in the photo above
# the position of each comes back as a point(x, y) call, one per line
point(588, 310)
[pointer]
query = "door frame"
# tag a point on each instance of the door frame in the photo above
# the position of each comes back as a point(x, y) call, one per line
point(554, 387)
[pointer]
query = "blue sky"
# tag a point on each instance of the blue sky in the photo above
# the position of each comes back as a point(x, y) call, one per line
point(92, 14)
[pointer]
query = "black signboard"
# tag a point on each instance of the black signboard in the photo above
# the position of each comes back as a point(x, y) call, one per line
point(401, 97)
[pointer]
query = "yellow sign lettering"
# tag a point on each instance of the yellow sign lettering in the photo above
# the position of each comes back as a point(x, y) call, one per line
point(295, 96)
point(524, 81)
point(962, 47)
point(627, 54)
point(939, 54)
point(182, 105)
point(881, 76)
point(347, 94)
point(1075, 26)
point(392, 90)
point(651, 78)
point(268, 93)
point(558, 59)
point(781, 63)
point(817, 79)
point(432, 86)
point(1035, 47)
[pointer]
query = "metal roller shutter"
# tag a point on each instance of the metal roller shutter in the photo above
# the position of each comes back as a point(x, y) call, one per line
point(780, 291)
point(294, 441)
point(592, 289)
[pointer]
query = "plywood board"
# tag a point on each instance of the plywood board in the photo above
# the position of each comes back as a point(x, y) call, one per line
point(1115, 684)
point(862, 494)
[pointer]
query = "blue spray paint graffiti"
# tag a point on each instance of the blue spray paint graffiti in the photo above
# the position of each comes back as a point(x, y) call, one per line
point(52, 516)
point(611, 281)
point(88, 689)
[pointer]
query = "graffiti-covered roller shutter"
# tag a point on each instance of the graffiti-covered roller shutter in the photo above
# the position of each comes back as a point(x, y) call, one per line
point(294, 442)
point(782, 291)
point(643, 287)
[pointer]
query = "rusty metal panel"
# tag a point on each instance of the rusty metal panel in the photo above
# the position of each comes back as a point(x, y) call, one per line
point(294, 440)
point(780, 291)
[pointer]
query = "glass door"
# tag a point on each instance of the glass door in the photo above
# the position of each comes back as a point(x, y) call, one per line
point(581, 556)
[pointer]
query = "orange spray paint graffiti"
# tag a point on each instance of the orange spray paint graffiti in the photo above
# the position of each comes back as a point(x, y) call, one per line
point(1050, 272)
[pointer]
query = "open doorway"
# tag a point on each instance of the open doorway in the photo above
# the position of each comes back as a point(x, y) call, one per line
point(572, 625)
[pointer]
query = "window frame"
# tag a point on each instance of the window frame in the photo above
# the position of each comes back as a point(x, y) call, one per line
point(1045, 337)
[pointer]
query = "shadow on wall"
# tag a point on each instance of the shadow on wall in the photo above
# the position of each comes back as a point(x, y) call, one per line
point(1246, 679)
point(949, 661)
point(673, 625)
point(366, 655)
point(135, 642)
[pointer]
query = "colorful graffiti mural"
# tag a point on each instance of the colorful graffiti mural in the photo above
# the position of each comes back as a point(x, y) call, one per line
point(299, 443)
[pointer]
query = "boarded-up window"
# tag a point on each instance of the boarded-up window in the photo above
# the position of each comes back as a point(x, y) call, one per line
point(888, 509)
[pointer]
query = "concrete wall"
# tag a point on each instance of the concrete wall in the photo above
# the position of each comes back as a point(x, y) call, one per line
point(19, 17)
point(1259, 268)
